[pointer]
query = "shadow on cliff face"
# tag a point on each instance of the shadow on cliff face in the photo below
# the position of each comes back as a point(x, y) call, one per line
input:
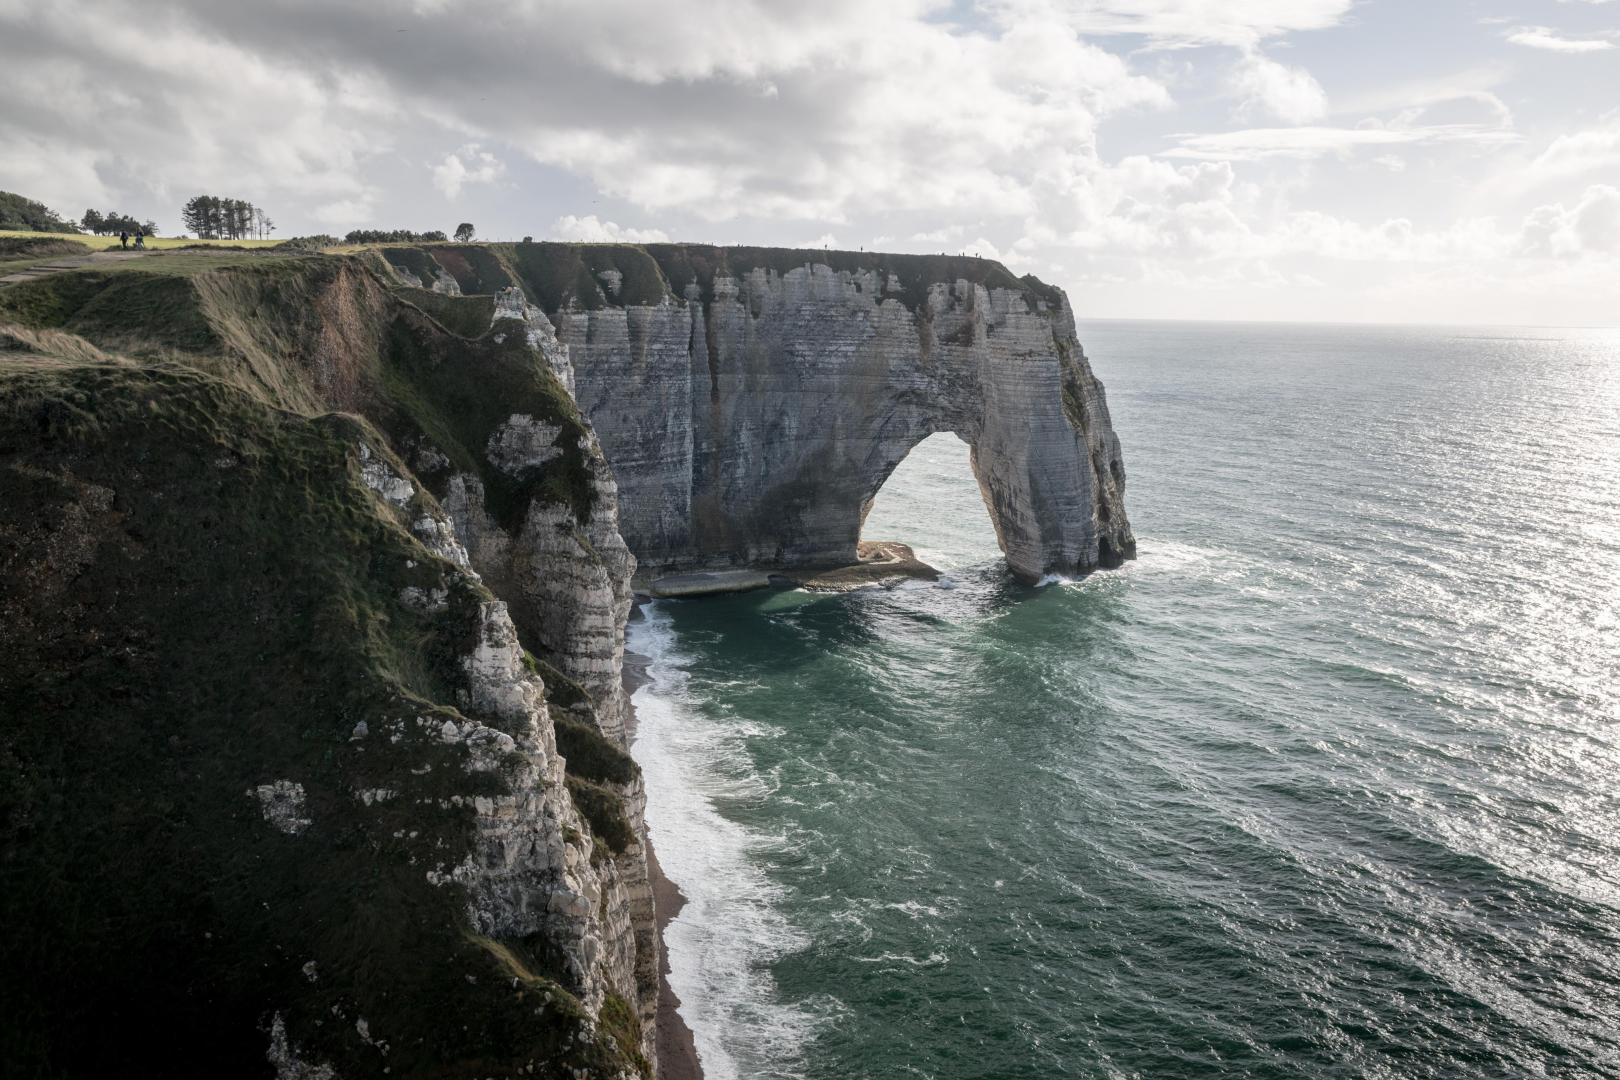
point(227, 665)
point(221, 601)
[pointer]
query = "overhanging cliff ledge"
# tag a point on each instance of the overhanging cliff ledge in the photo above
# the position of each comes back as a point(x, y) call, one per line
point(752, 401)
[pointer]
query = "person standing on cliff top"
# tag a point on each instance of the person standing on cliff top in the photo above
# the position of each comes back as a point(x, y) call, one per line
point(123, 238)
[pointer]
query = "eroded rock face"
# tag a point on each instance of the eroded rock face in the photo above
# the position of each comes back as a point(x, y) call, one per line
point(754, 425)
point(538, 870)
point(567, 581)
point(510, 303)
point(534, 872)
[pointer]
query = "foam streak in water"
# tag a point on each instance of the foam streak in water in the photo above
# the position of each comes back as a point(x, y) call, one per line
point(722, 943)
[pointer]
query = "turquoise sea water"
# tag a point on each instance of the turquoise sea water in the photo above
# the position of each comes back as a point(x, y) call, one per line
point(1326, 784)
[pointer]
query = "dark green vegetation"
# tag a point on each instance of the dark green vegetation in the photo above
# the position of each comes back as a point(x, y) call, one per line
point(685, 264)
point(18, 212)
point(314, 242)
point(393, 236)
point(590, 755)
point(199, 596)
point(465, 316)
point(619, 1021)
point(605, 812)
point(476, 269)
point(113, 222)
point(215, 217)
point(557, 275)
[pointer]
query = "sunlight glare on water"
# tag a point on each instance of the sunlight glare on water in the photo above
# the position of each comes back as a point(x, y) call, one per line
point(1324, 784)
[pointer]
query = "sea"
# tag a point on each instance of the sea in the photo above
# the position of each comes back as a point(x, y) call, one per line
point(1326, 783)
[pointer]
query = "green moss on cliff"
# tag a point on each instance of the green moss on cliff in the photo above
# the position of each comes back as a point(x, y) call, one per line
point(561, 275)
point(564, 275)
point(464, 316)
point(458, 393)
point(619, 1021)
point(313, 333)
point(604, 810)
point(138, 309)
point(201, 598)
point(590, 755)
point(477, 268)
point(414, 261)
point(686, 264)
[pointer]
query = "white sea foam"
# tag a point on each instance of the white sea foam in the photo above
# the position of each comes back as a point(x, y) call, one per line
point(721, 944)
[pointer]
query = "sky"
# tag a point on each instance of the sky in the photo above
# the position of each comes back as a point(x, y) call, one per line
point(1440, 161)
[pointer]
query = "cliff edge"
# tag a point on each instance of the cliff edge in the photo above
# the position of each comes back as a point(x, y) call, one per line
point(314, 576)
point(753, 400)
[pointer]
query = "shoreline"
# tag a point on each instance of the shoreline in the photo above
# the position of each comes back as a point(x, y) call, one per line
point(675, 1047)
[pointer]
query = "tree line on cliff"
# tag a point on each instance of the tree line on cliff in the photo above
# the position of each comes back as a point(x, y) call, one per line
point(217, 217)
point(208, 217)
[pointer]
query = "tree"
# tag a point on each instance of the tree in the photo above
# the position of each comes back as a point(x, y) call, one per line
point(213, 217)
point(92, 221)
point(198, 216)
point(17, 212)
point(393, 236)
point(464, 232)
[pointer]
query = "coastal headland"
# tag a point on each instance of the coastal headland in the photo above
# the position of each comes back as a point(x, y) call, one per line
point(320, 566)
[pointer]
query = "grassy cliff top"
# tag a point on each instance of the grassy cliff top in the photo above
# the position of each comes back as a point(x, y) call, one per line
point(153, 243)
point(556, 275)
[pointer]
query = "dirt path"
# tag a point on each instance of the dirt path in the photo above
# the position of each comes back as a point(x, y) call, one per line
point(47, 267)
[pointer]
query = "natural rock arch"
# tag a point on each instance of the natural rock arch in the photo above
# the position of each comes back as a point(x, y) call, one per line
point(750, 422)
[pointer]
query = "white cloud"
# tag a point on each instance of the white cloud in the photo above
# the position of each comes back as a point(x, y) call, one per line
point(230, 120)
point(469, 165)
point(1290, 94)
point(591, 230)
point(1542, 37)
point(1312, 142)
point(896, 117)
point(1185, 22)
point(1578, 153)
point(986, 125)
point(1590, 227)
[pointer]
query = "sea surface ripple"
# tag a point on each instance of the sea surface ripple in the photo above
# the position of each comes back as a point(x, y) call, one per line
point(1325, 784)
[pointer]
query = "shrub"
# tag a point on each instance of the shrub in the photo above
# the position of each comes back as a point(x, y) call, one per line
point(394, 236)
point(308, 243)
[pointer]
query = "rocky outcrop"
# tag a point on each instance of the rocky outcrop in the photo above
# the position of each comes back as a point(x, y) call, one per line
point(534, 872)
point(368, 581)
point(276, 766)
point(752, 418)
point(316, 599)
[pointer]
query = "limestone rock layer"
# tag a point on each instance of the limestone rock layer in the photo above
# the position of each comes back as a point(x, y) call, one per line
point(751, 416)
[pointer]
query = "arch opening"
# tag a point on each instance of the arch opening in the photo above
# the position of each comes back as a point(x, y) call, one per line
point(932, 503)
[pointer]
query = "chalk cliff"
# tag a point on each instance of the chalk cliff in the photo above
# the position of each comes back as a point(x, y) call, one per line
point(311, 728)
point(313, 588)
point(753, 411)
